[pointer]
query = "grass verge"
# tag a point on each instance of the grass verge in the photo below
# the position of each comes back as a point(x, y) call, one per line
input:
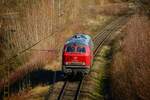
point(101, 80)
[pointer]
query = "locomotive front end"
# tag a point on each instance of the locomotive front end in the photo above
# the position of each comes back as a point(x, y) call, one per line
point(76, 59)
point(77, 55)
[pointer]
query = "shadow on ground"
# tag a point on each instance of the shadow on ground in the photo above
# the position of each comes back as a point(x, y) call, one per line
point(46, 77)
point(40, 76)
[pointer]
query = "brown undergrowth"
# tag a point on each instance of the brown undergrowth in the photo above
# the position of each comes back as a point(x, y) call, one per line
point(131, 67)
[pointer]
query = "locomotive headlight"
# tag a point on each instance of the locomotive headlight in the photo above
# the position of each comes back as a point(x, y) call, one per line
point(83, 63)
point(66, 63)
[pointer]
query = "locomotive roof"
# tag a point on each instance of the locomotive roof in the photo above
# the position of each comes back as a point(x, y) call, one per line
point(80, 39)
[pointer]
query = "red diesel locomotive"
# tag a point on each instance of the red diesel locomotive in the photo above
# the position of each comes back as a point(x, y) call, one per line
point(77, 54)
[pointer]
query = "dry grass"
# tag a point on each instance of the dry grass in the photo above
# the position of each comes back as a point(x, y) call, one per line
point(32, 22)
point(38, 93)
point(112, 9)
point(131, 67)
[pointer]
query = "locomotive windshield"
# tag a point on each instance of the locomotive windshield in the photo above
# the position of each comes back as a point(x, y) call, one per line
point(70, 49)
point(81, 49)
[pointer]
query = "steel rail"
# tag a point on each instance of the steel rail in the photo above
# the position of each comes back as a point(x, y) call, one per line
point(78, 89)
point(76, 92)
point(60, 97)
point(105, 34)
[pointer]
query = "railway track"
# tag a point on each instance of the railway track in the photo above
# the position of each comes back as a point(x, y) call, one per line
point(104, 34)
point(67, 93)
point(71, 90)
point(144, 6)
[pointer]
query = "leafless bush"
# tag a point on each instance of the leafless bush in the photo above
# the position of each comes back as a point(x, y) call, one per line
point(131, 66)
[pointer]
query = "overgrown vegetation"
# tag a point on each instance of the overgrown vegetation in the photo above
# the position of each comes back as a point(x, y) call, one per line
point(101, 89)
point(131, 67)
